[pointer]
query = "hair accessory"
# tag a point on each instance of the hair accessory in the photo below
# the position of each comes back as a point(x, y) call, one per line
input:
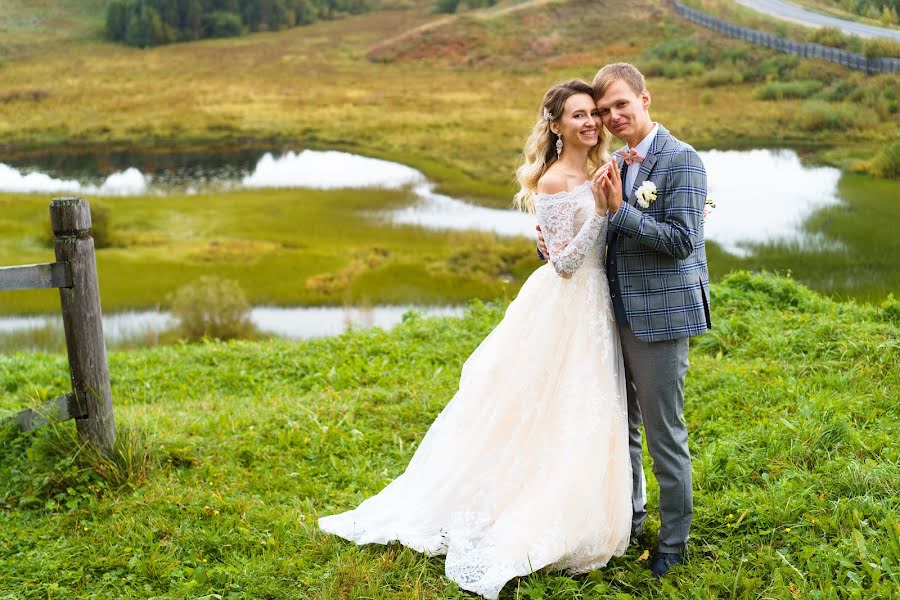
point(548, 116)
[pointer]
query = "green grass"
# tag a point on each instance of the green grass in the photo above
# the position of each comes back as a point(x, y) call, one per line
point(232, 451)
point(284, 247)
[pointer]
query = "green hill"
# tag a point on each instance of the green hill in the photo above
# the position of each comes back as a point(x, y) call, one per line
point(231, 452)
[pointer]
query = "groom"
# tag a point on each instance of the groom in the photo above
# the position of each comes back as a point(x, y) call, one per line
point(659, 285)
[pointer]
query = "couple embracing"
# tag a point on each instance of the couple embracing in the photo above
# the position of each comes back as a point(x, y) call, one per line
point(536, 460)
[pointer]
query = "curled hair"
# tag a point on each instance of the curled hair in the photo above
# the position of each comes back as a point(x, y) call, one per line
point(540, 148)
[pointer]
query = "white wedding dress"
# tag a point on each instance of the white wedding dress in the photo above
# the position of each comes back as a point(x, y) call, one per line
point(527, 466)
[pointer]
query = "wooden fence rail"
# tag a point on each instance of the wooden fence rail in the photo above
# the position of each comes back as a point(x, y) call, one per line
point(836, 55)
point(75, 274)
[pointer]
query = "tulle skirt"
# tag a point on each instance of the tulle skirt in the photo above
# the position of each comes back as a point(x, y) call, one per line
point(527, 466)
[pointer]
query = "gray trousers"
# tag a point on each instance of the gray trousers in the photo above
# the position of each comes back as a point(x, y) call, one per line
point(655, 373)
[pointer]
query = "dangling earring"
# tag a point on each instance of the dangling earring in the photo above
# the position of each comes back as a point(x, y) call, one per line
point(559, 146)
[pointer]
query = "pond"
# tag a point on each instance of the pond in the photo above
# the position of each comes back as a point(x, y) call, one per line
point(761, 195)
point(290, 323)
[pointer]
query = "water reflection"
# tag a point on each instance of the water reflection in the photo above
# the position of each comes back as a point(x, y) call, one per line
point(761, 195)
point(764, 195)
point(329, 170)
point(290, 323)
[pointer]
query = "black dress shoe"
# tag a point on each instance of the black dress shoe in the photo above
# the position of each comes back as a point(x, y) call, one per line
point(663, 561)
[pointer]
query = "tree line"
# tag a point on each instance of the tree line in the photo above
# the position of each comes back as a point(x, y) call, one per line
point(145, 23)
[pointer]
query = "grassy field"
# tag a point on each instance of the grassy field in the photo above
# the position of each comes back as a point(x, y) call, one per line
point(230, 452)
point(284, 247)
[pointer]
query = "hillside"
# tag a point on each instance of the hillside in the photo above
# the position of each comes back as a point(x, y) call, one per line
point(29, 27)
point(453, 99)
point(230, 452)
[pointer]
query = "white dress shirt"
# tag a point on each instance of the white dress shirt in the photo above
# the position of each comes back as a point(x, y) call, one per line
point(642, 148)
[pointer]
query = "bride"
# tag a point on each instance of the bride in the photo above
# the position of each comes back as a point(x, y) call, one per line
point(527, 466)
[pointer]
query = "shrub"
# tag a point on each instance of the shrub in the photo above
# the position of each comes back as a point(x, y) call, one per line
point(829, 36)
point(707, 98)
point(817, 115)
point(887, 163)
point(459, 6)
point(879, 47)
point(776, 67)
point(777, 90)
point(221, 24)
point(843, 89)
point(145, 28)
point(116, 20)
point(212, 307)
point(446, 6)
point(726, 75)
point(890, 310)
point(652, 67)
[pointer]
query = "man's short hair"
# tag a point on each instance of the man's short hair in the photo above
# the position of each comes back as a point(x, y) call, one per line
point(610, 73)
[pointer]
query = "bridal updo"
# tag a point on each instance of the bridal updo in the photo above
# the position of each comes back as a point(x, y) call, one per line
point(540, 147)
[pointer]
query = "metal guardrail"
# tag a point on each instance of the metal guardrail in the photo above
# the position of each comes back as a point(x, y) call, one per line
point(807, 50)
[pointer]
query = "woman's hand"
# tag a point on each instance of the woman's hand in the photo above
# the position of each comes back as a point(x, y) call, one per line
point(612, 186)
point(542, 244)
point(599, 189)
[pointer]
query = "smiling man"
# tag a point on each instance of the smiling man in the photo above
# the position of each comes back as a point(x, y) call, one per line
point(659, 284)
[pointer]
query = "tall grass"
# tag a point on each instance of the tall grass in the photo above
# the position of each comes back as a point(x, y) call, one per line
point(790, 401)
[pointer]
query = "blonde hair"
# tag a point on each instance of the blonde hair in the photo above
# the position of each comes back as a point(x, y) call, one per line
point(540, 149)
point(624, 71)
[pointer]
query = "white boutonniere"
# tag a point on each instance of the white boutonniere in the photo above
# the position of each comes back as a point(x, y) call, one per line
point(646, 194)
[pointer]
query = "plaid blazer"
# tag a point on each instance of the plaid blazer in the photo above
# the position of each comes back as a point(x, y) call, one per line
point(659, 251)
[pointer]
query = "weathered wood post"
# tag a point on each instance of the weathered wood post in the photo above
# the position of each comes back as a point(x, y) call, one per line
point(71, 220)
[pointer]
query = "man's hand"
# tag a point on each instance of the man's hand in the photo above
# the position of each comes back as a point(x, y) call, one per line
point(542, 245)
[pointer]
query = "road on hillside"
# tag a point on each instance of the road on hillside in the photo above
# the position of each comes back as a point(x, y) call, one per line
point(791, 12)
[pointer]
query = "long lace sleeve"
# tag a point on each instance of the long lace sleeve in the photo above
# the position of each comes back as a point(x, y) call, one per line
point(557, 220)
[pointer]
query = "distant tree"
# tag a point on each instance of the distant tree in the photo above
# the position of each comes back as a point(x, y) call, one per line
point(145, 23)
point(305, 12)
point(116, 20)
point(192, 19)
point(282, 16)
point(222, 24)
point(145, 28)
point(446, 6)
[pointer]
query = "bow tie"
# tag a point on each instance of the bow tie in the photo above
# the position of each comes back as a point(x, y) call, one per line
point(631, 155)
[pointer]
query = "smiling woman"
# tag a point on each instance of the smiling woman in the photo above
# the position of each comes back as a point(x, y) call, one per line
point(567, 114)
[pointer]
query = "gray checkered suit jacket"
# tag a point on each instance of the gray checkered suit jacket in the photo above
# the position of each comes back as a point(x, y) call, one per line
point(659, 251)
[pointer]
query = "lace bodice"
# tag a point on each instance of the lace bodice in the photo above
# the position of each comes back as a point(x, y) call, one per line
point(563, 214)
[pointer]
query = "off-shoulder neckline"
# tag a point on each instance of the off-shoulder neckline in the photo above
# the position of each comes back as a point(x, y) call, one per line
point(562, 194)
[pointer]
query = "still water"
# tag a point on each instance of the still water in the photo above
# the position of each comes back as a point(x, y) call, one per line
point(761, 195)
point(290, 323)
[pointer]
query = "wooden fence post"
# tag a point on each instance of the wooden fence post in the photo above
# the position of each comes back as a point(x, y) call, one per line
point(71, 220)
